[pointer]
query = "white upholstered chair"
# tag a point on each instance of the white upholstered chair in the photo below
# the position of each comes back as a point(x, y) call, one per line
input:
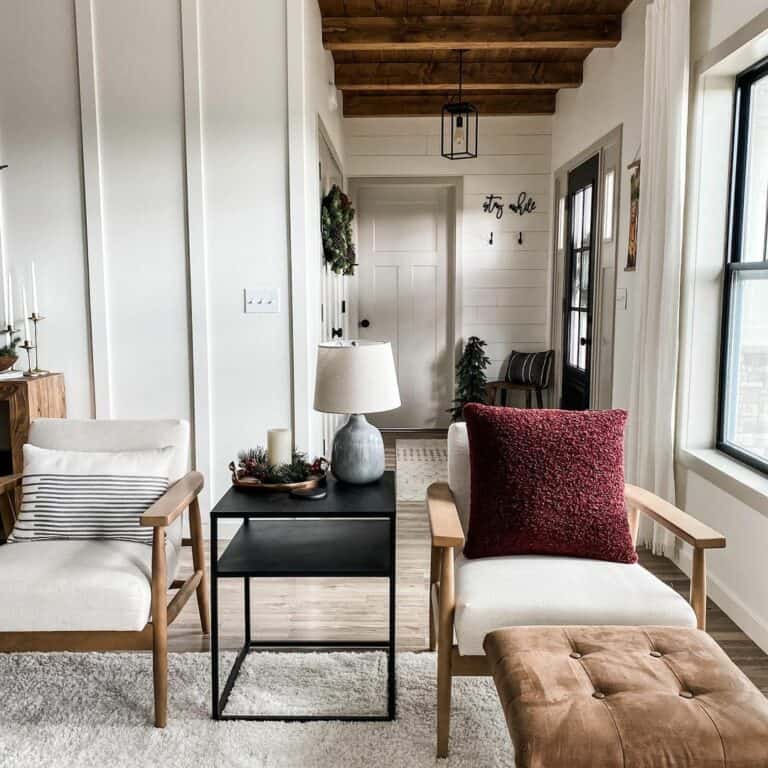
point(472, 597)
point(107, 595)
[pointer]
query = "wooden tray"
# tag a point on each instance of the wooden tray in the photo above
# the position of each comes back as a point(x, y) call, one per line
point(252, 484)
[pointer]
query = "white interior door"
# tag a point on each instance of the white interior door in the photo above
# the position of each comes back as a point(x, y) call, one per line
point(403, 295)
point(333, 287)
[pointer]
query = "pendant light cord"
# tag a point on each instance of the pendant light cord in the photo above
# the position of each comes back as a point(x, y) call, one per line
point(461, 72)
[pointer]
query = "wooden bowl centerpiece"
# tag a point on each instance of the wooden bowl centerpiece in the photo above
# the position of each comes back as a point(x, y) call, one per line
point(7, 362)
point(254, 472)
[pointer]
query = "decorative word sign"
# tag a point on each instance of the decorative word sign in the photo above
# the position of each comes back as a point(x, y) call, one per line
point(495, 204)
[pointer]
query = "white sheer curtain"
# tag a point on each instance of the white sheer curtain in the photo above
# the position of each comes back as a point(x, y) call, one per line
point(651, 435)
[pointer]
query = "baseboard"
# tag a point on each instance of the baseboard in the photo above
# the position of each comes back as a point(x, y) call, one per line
point(753, 626)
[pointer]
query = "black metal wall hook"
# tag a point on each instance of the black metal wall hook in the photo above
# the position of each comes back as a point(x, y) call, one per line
point(3, 166)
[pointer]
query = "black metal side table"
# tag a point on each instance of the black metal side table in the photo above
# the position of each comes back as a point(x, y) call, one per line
point(349, 534)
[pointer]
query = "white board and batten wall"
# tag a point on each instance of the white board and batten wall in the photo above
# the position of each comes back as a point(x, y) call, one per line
point(504, 287)
point(148, 180)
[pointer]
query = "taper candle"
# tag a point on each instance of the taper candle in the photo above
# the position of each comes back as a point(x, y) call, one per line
point(27, 334)
point(279, 446)
point(35, 306)
point(9, 305)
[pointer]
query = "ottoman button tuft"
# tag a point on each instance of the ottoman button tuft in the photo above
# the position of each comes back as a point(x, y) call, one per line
point(686, 694)
point(656, 654)
point(575, 655)
point(599, 695)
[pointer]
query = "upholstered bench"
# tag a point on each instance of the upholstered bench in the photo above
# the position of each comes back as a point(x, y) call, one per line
point(626, 697)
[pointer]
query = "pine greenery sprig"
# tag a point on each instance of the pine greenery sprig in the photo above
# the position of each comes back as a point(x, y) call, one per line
point(9, 350)
point(336, 217)
point(254, 462)
point(470, 376)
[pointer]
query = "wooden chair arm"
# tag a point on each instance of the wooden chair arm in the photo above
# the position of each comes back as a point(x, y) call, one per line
point(174, 501)
point(684, 526)
point(443, 517)
point(10, 481)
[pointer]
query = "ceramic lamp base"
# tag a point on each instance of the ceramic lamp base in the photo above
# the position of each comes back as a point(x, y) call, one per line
point(358, 452)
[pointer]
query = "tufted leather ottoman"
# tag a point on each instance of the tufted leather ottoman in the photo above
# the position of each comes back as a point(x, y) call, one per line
point(626, 697)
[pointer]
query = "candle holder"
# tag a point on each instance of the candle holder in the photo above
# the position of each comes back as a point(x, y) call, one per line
point(30, 372)
point(11, 333)
point(36, 318)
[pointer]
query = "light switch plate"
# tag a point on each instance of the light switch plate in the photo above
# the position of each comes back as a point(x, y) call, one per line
point(261, 300)
point(621, 298)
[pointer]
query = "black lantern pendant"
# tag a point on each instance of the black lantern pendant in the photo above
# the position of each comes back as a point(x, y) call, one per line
point(458, 137)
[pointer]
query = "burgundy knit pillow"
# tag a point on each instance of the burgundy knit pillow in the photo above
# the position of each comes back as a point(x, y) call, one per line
point(547, 482)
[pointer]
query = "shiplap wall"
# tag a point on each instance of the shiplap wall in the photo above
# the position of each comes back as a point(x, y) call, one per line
point(505, 286)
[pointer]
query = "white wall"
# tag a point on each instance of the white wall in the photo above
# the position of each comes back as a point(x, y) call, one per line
point(721, 492)
point(143, 147)
point(505, 298)
point(611, 95)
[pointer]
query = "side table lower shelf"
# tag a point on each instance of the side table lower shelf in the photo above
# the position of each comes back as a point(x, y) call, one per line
point(303, 548)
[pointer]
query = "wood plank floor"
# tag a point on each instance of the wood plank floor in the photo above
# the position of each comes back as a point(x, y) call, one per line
point(328, 609)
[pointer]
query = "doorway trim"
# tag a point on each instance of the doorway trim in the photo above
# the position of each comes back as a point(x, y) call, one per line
point(454, 303)
point(608, 150)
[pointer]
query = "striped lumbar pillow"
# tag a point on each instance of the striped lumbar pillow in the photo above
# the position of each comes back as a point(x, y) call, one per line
point(89, 495)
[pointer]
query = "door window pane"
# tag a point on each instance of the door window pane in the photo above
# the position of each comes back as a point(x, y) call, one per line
point(573, 339)
point(583, 347)
point(578, 213)
point(746, 408)
point(576, 281)
point(584, 259)
point(587, 216)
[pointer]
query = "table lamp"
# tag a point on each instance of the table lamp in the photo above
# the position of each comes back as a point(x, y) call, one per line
point(356, 377)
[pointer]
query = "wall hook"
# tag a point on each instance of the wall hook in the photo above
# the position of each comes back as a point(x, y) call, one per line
point(520, 238)
point(490, 239)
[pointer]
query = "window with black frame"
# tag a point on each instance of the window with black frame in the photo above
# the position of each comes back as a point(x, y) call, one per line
point(743, 407)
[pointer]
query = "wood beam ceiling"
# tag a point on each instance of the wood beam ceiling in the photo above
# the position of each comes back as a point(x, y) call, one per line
point(411, 104)
point(365, 33)
point(400, 57)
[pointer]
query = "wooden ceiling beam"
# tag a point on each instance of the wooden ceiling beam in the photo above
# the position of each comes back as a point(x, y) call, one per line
point(364, 33)
point(515, 75)
point(410, 104)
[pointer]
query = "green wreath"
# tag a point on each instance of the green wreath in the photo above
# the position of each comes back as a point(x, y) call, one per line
point(336, 227)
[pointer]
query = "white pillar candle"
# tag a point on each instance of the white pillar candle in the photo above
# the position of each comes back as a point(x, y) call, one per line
point(27, 335)
point(35, 306)
point(279, 446)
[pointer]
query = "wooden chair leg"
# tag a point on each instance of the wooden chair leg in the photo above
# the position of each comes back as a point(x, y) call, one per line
point(539, 399)
point(444, 652)
point(699, 588)
point(198, 560)
point(528, 399)
point(159, 627)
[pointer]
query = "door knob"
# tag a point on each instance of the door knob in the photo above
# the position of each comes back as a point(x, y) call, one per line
point(365, 323)
point(336, 332)
point(583, 342)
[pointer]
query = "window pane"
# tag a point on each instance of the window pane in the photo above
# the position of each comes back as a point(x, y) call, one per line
point(755, 232)
point(746, 389)
point(576, 280)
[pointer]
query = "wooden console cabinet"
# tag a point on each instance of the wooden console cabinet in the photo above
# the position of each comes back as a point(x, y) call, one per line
point(21, 401)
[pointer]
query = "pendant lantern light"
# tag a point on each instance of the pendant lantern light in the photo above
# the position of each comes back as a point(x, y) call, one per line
point(458, 135)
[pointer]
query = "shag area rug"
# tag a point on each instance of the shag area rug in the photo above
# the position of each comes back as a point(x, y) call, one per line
point(96, 710)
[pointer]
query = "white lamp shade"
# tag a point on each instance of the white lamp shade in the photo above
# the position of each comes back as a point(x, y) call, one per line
point(356, 377)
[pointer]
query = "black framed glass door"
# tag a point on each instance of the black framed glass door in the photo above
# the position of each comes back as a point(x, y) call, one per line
point(581, 215)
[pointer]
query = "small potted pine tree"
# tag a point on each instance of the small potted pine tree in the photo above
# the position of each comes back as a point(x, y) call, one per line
point(470, 376)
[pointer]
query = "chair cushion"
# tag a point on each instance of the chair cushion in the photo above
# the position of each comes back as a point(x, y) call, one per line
point(547, 482)
point(525, 590)
point(48, 586)
point(530, 368)
point(613, 697)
